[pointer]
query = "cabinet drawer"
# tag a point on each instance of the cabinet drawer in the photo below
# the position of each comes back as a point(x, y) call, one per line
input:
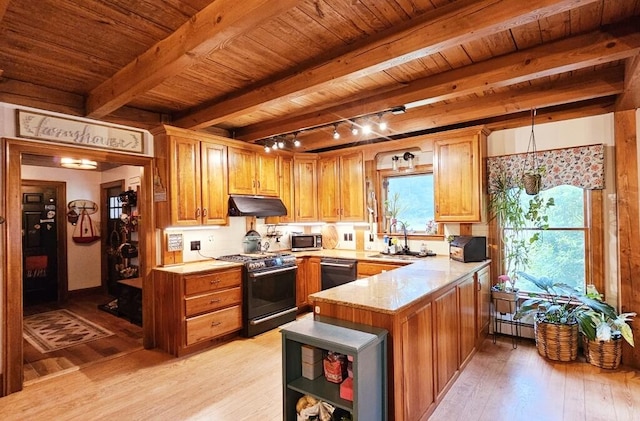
point(213, 301)
point(197, 284)
point(210, 325)
point(369, 269)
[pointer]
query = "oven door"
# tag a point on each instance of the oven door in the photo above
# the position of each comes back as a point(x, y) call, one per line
point(270, 299)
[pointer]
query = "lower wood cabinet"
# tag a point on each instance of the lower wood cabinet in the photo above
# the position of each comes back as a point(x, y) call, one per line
point(431, 340)
point(191, 311)
point(366, 269)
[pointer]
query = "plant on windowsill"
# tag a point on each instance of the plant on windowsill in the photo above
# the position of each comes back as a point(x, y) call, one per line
point(559, 313)
point(392, 208)
point(603, 332)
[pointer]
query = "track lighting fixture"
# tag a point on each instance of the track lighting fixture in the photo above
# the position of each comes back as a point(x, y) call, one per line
point(382, 124)
point(367, 127)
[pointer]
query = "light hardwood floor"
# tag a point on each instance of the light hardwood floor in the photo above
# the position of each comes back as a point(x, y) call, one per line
point(127, 338)
point(241, 380)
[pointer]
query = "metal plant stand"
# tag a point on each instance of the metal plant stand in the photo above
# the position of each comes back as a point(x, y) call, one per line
point(504, 306)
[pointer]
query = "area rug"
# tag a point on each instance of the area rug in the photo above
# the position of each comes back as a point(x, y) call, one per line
point(60, 329)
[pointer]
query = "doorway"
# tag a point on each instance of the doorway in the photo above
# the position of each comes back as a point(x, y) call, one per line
point(43, 242)
point(12, 301)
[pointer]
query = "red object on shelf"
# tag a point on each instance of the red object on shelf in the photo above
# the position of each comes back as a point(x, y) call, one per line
point(346, 389)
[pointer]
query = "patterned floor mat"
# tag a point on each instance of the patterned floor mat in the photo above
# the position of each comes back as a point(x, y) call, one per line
point(60, 329)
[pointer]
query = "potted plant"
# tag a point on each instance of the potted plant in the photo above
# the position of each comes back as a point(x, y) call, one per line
point(603, 331)
point(558, 315)
point(505, 295)
point(393, 207)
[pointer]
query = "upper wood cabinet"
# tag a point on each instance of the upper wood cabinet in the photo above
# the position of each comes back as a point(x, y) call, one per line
point(458, 169)
point(253, 173)
point(341, 188)
point(194, 174)
point(286, 188)
point(306, 189)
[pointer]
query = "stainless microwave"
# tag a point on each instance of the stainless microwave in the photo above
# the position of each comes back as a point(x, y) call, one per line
point(301, 242)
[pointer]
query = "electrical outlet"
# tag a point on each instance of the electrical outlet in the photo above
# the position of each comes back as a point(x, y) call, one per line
point(346, 237)
point(350, 236)
point(195, 245)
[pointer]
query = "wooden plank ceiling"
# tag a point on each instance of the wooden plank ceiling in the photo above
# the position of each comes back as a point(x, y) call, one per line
point(256, 69)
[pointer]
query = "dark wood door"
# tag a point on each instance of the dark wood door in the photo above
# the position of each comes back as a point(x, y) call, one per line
point(40, 224)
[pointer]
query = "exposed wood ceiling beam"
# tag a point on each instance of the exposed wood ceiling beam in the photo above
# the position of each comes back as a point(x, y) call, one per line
point(562, 56)
point(3, 8)
point(447, 26)
point(208, 30)
point(580, 88)
point(630, 98)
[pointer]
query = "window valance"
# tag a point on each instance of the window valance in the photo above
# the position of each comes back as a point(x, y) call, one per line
point(581, 166)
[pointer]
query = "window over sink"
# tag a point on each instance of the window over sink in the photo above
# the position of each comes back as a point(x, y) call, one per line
point(408, 197)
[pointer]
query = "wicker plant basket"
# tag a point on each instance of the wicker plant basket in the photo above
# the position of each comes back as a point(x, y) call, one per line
point(532, 183)
point(558, 342)
point(603, 354)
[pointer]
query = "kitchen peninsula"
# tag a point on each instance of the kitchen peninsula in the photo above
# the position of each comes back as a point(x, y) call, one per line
point(436, 311)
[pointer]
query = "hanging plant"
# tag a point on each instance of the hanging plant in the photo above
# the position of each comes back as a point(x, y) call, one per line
point(532, 172)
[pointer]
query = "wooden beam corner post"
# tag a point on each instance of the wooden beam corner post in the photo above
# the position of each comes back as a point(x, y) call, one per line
point(628, 217)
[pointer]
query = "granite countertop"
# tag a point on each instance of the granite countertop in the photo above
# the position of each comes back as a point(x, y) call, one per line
point(200, 266)
point(391, 291)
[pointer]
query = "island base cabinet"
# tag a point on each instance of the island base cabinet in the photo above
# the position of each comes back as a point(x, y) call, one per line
point(417, 359)
point(368, 347)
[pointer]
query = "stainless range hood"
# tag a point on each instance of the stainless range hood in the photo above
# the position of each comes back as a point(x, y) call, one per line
point(260, 206)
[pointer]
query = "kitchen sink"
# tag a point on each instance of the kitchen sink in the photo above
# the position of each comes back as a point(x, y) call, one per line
point(411, 255)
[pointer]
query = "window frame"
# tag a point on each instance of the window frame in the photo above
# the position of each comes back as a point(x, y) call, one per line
point(594, 241)
point(381, 175)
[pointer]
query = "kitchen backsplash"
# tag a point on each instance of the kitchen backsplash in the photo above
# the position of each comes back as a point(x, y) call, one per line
point(225, 240)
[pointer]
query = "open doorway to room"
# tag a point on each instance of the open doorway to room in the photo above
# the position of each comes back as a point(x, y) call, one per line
point(29, 360)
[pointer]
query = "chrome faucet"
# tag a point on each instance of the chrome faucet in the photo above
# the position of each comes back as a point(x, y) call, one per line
point(405, 248)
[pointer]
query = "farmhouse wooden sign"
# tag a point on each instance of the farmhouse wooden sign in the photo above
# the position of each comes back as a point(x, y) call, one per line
point(57, 129)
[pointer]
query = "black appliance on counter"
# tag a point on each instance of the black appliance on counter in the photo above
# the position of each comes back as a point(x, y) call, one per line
point(268, 290)
point(464, 248)
point(334, 272)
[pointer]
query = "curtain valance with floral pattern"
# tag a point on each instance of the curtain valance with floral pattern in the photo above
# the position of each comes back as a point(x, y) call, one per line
point(582, 166)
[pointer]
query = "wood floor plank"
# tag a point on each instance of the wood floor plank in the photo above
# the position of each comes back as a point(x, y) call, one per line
point(241, 380)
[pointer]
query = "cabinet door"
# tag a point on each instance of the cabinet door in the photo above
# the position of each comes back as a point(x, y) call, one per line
point(483, 314)
point(301, 283)
point(458, 179)
point(306, 189)
point(286, 188)
point(329, 190)
point(467, 306)
point(214, 184)
point(242, 171)
point(351, 183)
point(313, 275)
point(446, 326)
point(186, 206)
point(267, 175)
point(417, 363)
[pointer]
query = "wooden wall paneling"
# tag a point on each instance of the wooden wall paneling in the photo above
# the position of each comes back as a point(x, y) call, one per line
point(626, 145)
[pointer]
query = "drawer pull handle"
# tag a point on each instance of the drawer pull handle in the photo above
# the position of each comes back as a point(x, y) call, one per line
point(214, 324)
point(214, 301)
point(214, 281)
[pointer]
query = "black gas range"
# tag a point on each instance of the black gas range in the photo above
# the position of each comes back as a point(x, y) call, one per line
point(269, 290)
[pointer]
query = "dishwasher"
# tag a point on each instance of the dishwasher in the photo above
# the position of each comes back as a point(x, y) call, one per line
point(334, 272)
